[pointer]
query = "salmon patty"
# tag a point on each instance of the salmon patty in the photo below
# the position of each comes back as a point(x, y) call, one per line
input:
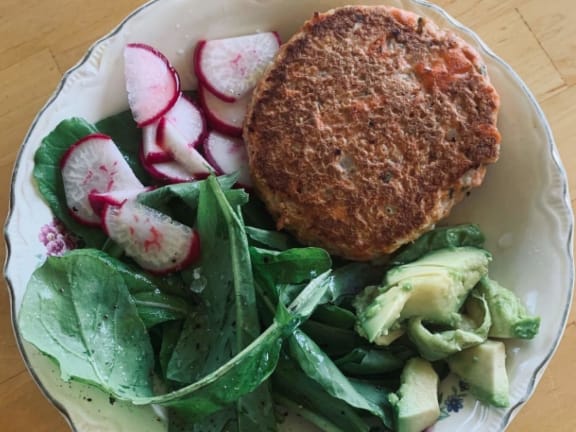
point(367, 129)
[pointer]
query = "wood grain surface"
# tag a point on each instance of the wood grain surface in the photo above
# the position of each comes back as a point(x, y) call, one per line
point(41, 39)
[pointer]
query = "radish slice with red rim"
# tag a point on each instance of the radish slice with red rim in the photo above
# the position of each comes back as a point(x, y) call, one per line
point(169, 172)
point(155, 241)
point(152, 83)
point(166, 172)
point(93, 164)
point(99, 200)
point(184, 153)
point(152, 152)
point(228, 155)
point(231, 67)
point(187, 118)
point(225, 117)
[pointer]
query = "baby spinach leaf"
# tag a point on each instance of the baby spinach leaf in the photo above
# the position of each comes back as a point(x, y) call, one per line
point(171, 331)
point(295, 389)
point(256, 215)
point(318, 366)
point(313, 416)
point(271, 239)
point(157, 299)
point(362, 361)
point(334, 341)
point(440, 238)
point(80, 313)
point(222, 421)
point(349, 279)
point(292, 266)
point(155, 307)
point(335, 316)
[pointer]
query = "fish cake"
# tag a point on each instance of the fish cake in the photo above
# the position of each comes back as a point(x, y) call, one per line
point(370, 125)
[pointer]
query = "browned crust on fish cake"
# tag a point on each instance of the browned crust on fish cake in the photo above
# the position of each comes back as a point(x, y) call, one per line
point(369, 126)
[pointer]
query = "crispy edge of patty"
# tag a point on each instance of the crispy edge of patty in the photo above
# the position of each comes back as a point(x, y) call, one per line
point(322, 223)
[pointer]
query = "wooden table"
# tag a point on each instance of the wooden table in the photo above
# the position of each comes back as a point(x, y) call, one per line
point(41, 39)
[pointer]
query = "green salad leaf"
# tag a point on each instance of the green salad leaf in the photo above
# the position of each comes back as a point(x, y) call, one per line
point(78, 310)
point(277, 240)
point(295, 390)
point(440, 238)
point(363, 361)
point(292, 266)
point(155, 307)
point(318, 366)
point(227, 321)
point(249, 368)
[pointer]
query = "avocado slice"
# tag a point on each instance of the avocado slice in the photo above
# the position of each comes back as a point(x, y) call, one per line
point(484, 368)
point(510, 319)
point(416, 402)
point(463, 260)
point(437, 345)
point(377, 313)
point(432, 288)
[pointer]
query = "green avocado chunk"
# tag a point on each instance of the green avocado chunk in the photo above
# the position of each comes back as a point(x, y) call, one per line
point(438, 345)
point(432, 288)
point(510, 319)
point(484, 368)
point(416, 402)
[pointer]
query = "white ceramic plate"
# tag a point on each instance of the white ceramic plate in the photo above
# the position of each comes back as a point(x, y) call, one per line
point(523, 207)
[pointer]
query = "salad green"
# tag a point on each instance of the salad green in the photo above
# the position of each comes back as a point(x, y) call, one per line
point(259, 321)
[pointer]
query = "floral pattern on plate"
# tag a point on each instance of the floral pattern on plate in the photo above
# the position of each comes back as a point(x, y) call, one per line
point(57, 239)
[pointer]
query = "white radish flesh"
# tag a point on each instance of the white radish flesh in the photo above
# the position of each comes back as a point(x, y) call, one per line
point(169, 172)
point(152, 83)
point(94, 164)
point(154, 240)
point(184, 153)
point(228, 155)
point(187, 118)
point(231, 67)
point(99, 200)
point(225, 117)
point(152, 152)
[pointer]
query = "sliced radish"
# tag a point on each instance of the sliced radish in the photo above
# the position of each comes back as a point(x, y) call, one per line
point(152, 83)
point(187, 118)
point(169, 172)
point(183, 151)
point(228, 155)
point(231, 67)
point(152, 152)
point(225, 117)
point(166, 172)
point(154, 240)
point(94, 164)
point(99, 200)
